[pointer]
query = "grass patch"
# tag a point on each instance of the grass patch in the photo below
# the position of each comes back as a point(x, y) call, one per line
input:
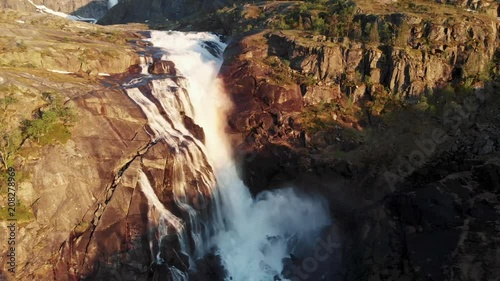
point(281, 69)
point(51, 124)
point(320, 117)
point(23, 213)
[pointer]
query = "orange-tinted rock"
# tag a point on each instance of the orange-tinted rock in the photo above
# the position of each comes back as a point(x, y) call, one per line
point(162, 67)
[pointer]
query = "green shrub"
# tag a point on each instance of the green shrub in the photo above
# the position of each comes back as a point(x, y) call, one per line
point(10, 139)
point(373, 34)
point(52, 124)
point(319, 25)
point(22, 46)
point(23, 213)
point(403, 33)
point(316, 118)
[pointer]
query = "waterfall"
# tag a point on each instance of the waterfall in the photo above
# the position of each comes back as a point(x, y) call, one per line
point(251, 235)
point(145, 62)
point(111, 3)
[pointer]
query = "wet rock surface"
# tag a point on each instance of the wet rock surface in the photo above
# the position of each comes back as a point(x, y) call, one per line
point(162, 67)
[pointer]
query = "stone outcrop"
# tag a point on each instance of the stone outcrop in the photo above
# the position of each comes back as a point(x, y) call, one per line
point(162, 67)
point(159, 10)
point(84, 8)
point(453, 51)
point(439, 222)
point(487, 6)
point(271, 76)
point(63, 45)
point(83, 205)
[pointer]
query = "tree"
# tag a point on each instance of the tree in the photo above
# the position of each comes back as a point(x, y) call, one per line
point(10, 142)
point(373, 35)
point(10, 139)
point(403, 34)
point(51, 124)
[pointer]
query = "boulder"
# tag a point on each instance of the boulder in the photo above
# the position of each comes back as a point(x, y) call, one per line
point(170, 252)
point(162, 67)
point(209, 268)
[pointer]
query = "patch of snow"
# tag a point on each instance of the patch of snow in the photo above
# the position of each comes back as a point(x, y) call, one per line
point(20, 21)
point(43, 9)
point(111, 3)
point(103, 74)
point(60, 71)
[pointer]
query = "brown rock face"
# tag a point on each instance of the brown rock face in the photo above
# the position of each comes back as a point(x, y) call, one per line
point(84, 8)
point(262, 106)
point(92, 180)
point(89, 216)
point(158, 10)
point(402, 71)
point(488, 6)
point(259, 72)
point(438, 220)
point(162, 67)
point(83, 188)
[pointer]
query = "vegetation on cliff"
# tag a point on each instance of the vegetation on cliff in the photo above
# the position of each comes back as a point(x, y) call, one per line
point(355, 61)
point(332, 76)
point(46, 64)
point(41, 114)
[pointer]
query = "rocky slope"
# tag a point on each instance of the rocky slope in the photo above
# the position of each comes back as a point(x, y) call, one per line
point(338, 115)
point(399, 217)
point(159, 10)
point(91, 177)
point(348, 118)
point(275, 77)
point(82, 214)
point(84, 8)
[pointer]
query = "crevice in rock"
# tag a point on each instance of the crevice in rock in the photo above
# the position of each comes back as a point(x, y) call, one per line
point(108, 193)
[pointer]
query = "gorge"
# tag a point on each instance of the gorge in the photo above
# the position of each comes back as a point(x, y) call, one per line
point(238, 140)
point(251, 236)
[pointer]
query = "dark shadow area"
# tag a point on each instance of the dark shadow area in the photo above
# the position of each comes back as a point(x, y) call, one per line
point(197, 15)
point(129, 11)
point(95, 9)
point(403, 179)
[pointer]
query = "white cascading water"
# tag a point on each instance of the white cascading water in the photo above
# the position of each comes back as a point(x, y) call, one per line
point(111, 3)
point(252, 235)
point(144, 63)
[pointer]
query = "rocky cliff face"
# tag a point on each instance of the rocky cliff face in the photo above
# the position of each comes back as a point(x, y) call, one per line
point(438, 230)
point(82, 210)
point(160, 10)
point(79, 205)
point(489, 7)
point(84, 8)
point(307, 113)
point(271, 76)
point(434, 220)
